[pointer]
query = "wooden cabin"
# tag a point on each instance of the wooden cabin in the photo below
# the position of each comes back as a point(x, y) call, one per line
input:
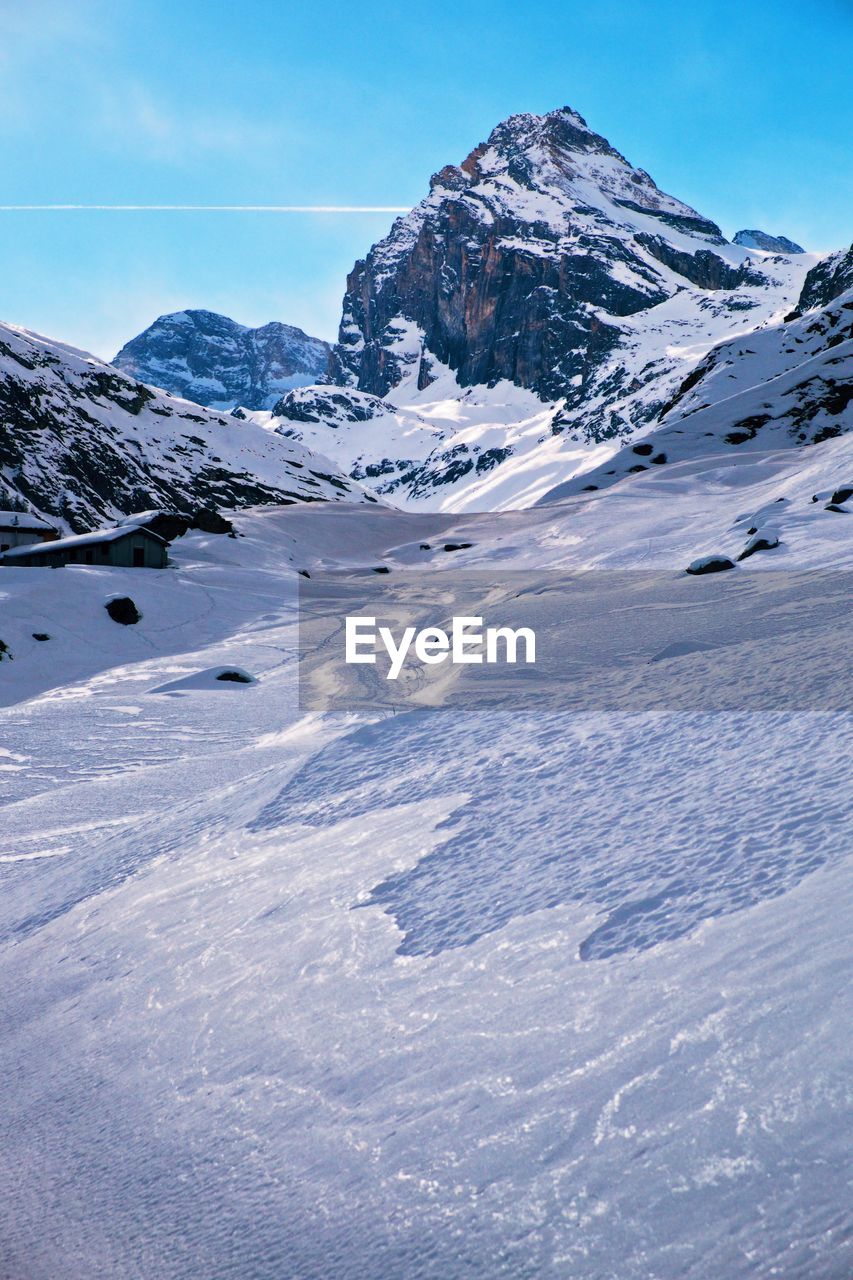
point(126, 547)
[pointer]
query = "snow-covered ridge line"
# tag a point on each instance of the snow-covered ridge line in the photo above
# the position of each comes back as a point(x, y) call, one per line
point(84, 444)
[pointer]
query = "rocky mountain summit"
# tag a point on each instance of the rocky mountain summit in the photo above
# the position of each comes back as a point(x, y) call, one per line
point(539, 308)
point(768, 244)
point(528, 262)
point(212, 360)
point(83, 443)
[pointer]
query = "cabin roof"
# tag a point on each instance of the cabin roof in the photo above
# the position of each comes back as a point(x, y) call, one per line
point(85, 540)
point(22, 520)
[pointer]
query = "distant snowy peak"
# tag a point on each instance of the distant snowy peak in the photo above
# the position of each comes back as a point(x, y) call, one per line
point(84, 444)
point(215, 361)
point(768, 244)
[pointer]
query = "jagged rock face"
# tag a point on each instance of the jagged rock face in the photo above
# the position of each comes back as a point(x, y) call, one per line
point(84, 444)
point(520, 263)
point(827, 281)
point(770, 244)
point(214, 361)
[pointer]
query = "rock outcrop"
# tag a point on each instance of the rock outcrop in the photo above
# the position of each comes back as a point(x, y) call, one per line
point(827, 281)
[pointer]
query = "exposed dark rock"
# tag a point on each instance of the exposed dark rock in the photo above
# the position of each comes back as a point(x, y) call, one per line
point(763, 542)
point(208, 520)
point(826, 281)
point(235, 677)
point(122, 609)
point(40, 635)
point(710, 564)
point(705, 269)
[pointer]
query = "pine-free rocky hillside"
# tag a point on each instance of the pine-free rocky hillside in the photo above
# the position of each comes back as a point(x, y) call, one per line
point(82, 442)
point(214, 361)
point(538, 309)
point(788, 385)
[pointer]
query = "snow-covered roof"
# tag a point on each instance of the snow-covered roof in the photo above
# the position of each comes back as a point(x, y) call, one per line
point(86, 540)
point(22, 520)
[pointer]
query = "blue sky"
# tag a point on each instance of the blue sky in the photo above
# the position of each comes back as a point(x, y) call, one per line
point(744, 110)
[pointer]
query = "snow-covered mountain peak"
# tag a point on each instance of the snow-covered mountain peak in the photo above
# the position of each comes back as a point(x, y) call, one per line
point(544, 264)
point(767, 243)
point(213, 360)
point(559, 157)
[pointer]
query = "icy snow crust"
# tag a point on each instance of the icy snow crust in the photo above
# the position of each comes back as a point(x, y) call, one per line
point(427, 995)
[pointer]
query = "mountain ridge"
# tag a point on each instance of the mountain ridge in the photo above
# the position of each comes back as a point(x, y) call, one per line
point(84, 443)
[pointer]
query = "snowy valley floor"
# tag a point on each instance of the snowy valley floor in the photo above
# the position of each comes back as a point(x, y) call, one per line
point(417, 997)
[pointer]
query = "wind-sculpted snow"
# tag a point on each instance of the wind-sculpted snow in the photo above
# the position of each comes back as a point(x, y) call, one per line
point(541, 816)
point(481, 995)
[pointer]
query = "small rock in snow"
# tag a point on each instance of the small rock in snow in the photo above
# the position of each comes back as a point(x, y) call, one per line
point(710, 564)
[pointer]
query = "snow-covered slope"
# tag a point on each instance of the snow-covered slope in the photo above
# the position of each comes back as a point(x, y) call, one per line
point(786, 385)
point(84, 443)
point(477, 993)
point(212, 360)
point(372, 440)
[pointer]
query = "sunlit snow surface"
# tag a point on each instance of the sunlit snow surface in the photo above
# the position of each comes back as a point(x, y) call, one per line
point(439, 995)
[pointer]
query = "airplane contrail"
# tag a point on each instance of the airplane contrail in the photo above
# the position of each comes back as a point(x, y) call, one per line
point(204, 208)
